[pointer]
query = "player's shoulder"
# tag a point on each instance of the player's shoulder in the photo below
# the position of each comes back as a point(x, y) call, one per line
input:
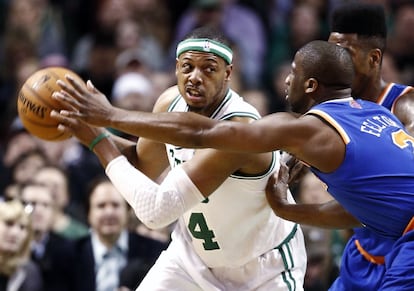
point(406, 98)
point(165, 99)
point(409, 94)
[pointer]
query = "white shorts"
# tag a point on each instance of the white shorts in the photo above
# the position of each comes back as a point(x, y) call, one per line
point(179, 268)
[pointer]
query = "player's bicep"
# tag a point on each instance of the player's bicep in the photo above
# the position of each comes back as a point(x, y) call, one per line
point(152, 158)
point(404, 110)
point(209, 168)
point(281, 131)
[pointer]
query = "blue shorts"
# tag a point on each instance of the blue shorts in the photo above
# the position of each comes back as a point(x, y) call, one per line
point(399, 265)
point(360, 271)
point(356, 272)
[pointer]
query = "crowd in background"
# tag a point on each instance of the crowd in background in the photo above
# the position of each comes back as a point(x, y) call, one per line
point(127, 48)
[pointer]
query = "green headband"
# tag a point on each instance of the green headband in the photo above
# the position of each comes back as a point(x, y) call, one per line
point(205, 45)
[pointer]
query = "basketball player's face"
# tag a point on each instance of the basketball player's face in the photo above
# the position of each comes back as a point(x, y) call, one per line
point(296, 83)
point(203, 80)
point(360, 59)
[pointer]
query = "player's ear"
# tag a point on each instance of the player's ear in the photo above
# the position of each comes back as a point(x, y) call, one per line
point(375, 56)
point(229, 70)
point(176, 66)
point(311, 85)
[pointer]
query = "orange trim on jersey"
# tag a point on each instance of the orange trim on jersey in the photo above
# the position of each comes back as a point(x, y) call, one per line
point(379, 260)
point(384, 93)
point(410, 226)
point(332, 122)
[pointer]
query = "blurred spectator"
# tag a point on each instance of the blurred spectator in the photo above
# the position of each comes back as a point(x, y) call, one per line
point(155, 20)
point(80, 165)
point(9, 115)
point(133, 91)
point(131, 61)
point(17, 142)
point(278, 12)
point(33, 29)
point(51, 252)
point(35, 23)
point(401, 41)
point(94, 54)
point(162, 234)
point(129, 35)
point(258, 99)
point(240, 24)
point(110, 246)
point(304, 25)
point(17, 271)
point(132, 274)
point(100, 66)
point(64, 224)
point(26, 164)
point(278, 87)
point(13, 145)
point(389, 70)
point(107, 15)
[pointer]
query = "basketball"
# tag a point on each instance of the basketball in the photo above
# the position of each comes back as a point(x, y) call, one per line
point(34, 103)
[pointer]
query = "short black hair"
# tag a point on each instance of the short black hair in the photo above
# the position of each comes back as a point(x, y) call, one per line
point(361, 18)
point(327, 62)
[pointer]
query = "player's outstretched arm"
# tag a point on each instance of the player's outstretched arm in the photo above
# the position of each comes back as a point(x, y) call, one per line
point(327, 215)
point(306, 137)
point(184, 129)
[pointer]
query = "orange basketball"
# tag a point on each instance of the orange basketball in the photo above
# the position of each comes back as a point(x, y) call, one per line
point(35, 103)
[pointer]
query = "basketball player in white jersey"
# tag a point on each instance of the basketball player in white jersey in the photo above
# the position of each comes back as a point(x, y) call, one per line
point(226, 236)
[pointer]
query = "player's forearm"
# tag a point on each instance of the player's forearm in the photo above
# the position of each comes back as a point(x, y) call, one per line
point(155, 205)
point(325, 215)
point(106, 151)
point(173, 128)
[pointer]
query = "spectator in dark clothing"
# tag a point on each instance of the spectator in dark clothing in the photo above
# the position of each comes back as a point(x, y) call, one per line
point(110, 246)
point(51, 252)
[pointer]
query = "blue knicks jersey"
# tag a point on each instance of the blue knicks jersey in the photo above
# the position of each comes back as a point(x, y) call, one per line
point(375, 182)
point(374, 245)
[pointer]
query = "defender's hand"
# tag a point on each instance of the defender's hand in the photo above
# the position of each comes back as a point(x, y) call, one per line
point(88, 103)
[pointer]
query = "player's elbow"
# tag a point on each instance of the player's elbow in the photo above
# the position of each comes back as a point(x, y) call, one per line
point(153, 222)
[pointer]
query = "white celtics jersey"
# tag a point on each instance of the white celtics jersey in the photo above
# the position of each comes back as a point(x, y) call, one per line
point(235, 223)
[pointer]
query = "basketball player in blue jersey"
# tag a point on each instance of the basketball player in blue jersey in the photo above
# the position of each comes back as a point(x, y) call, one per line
point(359, 149)
point(361, 29)
point(227, 237)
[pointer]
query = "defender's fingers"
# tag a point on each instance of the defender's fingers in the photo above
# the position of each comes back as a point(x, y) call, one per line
point(91, 88)
point(80, 87)
point(68, 89)
point(283, 174)
point(67, 100)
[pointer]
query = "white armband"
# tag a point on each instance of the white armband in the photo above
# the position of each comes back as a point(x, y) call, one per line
point(155, 205)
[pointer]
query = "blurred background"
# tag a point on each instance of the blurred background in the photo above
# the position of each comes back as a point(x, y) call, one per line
point(127, 48)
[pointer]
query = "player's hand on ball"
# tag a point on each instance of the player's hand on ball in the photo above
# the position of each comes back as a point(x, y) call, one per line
point(77, 128)
point(88, 103)
point(35, 102)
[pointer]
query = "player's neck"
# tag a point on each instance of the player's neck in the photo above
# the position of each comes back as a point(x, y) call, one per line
point(372, 91)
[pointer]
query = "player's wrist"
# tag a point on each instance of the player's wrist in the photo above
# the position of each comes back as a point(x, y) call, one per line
point(99, 138)
point(105, 149)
